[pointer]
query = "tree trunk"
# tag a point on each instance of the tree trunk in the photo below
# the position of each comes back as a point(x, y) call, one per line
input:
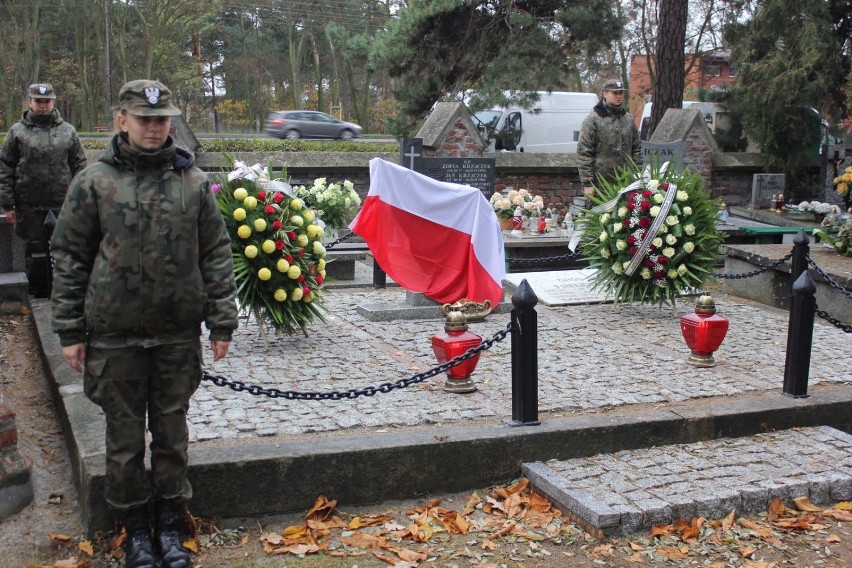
point(669, 72)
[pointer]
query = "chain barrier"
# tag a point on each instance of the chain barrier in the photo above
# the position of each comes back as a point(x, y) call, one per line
point(544, 259)
point(760, 270)
point(832, 320)
point(339, 240)
point(257, 390)
point(828, 279)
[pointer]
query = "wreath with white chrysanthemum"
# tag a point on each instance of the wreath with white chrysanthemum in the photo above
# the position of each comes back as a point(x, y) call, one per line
point(279, 259)
point(652, 234)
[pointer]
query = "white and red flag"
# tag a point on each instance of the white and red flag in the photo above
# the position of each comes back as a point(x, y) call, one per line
point(434, 237)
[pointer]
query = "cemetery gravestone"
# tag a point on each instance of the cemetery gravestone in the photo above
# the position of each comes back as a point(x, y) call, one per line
point(662, 152)
point(763, 187)
point(475, 172)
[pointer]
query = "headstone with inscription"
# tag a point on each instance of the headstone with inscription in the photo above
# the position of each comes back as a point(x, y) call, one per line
point(662, 152)
point(475, 172)
point(763, 187)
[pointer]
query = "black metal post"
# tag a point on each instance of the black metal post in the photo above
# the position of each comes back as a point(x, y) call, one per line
point(380, 278)
point(524, 357)
point(799, 262)
point(800, 337)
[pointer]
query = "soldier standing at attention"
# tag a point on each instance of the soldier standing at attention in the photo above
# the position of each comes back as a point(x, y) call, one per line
point(608, 138)
point(142, 259)
point(40, 155)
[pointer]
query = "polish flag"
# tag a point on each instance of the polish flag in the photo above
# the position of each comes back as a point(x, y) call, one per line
point(434, 237)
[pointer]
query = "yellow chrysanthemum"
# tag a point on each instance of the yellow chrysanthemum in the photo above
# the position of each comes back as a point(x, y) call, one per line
point(264, 274)
point(280, 295)
point(244, 231)
point(260, 225)
point(302, 240)
point(268, 246)
point(294, 272)
point(250, 251)
point(282, 265)
point(240, 193)
point(297, 294)
point(250, 202)
point(240, 214)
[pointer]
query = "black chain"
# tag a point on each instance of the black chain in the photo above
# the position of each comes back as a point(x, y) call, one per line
point(339, 240)
point(544, 259)
point(833, 321)
point(760, 270)
point(828, 279)
point(257, 390)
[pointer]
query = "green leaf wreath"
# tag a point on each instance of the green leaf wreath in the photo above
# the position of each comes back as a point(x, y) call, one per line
point(652, 234)
point(279, 261)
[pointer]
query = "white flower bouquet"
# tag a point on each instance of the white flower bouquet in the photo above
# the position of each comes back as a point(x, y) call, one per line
point(335, 204)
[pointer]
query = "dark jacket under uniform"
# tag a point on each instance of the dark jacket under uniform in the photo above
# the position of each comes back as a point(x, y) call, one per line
point(608, 139)
point(142, 255)
point(39, 157)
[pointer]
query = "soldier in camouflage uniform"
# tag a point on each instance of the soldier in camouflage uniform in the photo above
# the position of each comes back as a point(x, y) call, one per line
point(142, 259)
point(40, 155)
point(608, 138)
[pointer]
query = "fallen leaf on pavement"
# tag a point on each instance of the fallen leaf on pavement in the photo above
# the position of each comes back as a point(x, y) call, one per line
point(747, 551)
point(804, 504)
point(839, 515)
point(728, 521)
point(776, 509)
point(86, 548)
point(59, 537)
point(321, 509)
point(673, 552)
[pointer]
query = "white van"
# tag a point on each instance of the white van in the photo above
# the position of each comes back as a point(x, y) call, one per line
point(552, 126)
point(645, 124)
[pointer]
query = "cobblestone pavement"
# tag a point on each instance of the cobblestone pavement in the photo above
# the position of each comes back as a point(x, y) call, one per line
point(590, 357)
point(633, 490)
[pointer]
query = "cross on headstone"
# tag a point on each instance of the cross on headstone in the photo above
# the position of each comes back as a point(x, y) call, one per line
point(412, 154)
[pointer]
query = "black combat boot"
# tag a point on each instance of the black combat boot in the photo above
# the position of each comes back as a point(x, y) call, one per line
point(170, 522)
point(138, 551)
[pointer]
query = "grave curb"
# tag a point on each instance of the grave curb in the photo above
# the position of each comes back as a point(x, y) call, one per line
point(281, 476)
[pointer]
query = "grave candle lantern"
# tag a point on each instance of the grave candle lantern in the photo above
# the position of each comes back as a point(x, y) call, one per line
point(455, 340)
point(704, 332)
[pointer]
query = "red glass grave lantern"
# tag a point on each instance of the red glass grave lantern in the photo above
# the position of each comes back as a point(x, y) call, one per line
point(704, 332)
point(455, 340)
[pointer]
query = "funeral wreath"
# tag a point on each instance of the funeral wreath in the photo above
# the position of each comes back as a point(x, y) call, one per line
point(279, 261)
point(652, 234)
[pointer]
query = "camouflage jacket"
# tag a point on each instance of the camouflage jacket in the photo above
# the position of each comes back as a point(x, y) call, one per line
point(608, 139)
point(39, 157)
point(142, 255)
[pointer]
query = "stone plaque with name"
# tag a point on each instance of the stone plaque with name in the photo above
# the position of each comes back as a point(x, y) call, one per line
point(662, 152)
point(561, 288)
point(763, 187)
point(475, 172)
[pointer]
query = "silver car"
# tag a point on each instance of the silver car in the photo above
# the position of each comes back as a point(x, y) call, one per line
point(295, 124)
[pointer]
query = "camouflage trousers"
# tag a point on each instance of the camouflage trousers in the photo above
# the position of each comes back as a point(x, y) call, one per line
point(131, 384)
point(30, 227)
